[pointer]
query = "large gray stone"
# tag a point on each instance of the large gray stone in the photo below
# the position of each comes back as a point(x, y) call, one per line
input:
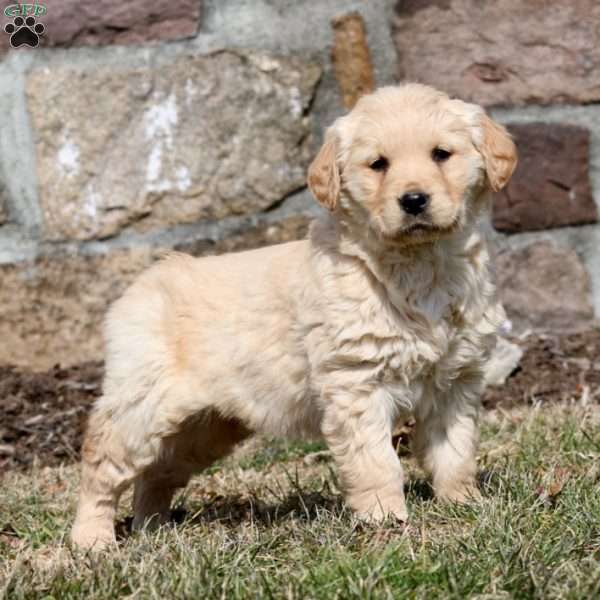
point(502, 51)
point(544, 286)
point(3, 206)
point(203, 137)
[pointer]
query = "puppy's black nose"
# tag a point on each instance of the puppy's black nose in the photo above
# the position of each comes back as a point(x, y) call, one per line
point(414, 203)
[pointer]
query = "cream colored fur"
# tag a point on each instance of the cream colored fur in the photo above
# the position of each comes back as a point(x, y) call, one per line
point(377, 316)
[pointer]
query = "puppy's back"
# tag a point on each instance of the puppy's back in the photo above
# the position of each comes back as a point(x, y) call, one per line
point(202, 315)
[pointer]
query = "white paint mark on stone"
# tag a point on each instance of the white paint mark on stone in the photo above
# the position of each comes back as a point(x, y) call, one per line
point(68, 158)
point(190, 92)
point(159, 126)
point(154, 166)
point(160, 120)
point(154, 170)
point(91, 199)
point(295, 102)
point(267, 64)
point(183, 179)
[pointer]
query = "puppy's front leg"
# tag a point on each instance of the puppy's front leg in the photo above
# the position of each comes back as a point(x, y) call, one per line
point(445, 444)
point(357, 427)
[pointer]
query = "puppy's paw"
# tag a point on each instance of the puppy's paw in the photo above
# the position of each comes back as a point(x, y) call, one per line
point(377, 511)
point(92, 538)
point(461, 494)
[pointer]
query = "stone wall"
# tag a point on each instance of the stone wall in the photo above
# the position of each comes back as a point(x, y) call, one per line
point(142, 126)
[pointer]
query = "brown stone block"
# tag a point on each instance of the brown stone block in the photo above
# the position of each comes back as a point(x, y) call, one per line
point(551, 186)
point(352, 64)
point(544, 286)
point(502, 51)
point(4, 20)
point(4, 42)
point(103, 22)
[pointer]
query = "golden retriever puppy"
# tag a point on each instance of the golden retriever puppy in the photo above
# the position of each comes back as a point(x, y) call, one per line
point(387, 310)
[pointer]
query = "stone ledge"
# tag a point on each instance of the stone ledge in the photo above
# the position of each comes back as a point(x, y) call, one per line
point(287, 230)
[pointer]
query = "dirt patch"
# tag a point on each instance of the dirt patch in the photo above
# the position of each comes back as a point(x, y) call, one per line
point(42, 415)
point(553, 368)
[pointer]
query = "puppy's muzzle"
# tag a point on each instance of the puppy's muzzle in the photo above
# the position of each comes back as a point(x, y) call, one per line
point(414, 203)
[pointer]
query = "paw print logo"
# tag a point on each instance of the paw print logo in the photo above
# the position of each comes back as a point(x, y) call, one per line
point(24, 32)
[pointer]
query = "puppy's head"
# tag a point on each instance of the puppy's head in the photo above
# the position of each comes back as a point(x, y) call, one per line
point(411, 164)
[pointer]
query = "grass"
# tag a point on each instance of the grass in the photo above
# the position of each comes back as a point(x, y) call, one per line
point(269, 523)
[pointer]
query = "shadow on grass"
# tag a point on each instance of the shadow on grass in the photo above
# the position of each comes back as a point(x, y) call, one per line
point(420, 490)
point(303, 506)
point(234, 509)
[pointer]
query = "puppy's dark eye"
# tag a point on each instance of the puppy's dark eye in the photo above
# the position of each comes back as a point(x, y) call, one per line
point(440, 155)
point(381, 164)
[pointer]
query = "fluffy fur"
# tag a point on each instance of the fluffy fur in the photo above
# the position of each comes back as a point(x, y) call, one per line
point(379, 315)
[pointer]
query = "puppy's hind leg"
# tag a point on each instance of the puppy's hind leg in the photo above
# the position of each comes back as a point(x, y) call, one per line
point(105, 474)
point(200, 441)
point(155, 487)
point(153, 493)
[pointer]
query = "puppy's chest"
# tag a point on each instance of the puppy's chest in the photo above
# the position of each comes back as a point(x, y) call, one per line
point(414, 355)
point(421, 328)
point(403, 346)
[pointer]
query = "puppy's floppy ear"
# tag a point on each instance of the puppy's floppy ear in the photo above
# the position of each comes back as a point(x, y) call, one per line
point(324, 174)
point(499, 152)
